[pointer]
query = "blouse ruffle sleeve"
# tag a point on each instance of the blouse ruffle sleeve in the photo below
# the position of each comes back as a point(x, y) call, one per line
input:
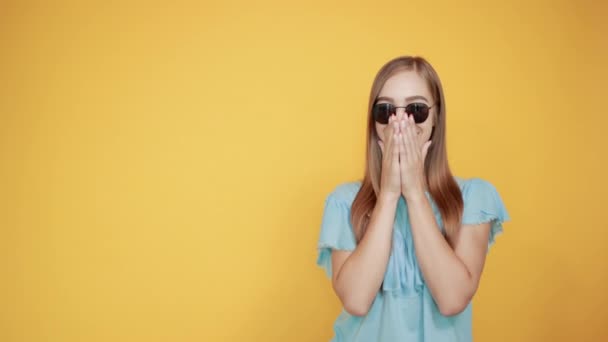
point(482, 203)
point(336, 231)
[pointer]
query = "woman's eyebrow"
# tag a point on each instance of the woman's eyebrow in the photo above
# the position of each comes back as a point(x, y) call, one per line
point(407, 99)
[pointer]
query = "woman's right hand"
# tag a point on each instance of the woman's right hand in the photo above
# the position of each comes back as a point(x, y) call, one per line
point(390, 180)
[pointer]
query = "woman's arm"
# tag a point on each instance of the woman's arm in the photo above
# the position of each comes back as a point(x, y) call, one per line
point(451, 270)
point(358, 274)
point(452, 273)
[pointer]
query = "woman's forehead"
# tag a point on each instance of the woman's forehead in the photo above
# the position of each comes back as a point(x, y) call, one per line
point(405, 86)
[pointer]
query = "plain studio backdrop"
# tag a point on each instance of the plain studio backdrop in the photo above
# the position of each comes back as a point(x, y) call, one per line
point(164, 165)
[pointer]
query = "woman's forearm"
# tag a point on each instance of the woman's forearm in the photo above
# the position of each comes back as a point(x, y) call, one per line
point(446, 276)
point(362, 273)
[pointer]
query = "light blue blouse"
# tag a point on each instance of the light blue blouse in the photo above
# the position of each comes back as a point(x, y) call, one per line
point(403, 309)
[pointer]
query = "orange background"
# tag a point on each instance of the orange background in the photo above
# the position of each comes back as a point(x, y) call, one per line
point(164, 165)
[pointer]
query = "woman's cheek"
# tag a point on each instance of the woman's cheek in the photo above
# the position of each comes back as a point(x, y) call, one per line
point(380, 131)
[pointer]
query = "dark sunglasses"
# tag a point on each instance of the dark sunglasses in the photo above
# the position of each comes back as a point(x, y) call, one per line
point(383, 111)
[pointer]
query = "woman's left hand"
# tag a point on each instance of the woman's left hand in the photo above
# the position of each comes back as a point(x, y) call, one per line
point(411, 159)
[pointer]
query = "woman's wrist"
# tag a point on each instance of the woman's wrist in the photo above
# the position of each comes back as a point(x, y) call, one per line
point(388, 197)
point(414, 195)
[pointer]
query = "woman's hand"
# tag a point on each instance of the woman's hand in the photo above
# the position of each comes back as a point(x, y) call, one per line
point(390, 181)
point(412, 156)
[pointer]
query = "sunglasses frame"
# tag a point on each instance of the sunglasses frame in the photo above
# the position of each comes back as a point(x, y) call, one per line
point(393, 111)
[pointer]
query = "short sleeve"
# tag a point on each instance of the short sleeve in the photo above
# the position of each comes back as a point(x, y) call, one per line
point(482, 203)
point(336, 231)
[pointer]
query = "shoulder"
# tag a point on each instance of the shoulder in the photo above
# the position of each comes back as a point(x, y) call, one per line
point(481, 198)
point(475, 186)
point(345, 192)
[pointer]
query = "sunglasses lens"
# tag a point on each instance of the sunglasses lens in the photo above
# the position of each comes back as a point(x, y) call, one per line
point(420, 111)
point(381, 112)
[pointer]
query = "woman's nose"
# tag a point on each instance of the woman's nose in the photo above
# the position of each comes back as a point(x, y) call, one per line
point(400, 113)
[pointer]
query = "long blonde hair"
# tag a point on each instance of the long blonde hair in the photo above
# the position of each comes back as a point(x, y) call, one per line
point(442, 186)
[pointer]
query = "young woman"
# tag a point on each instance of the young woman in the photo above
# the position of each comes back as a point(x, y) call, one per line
point(405, 247)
